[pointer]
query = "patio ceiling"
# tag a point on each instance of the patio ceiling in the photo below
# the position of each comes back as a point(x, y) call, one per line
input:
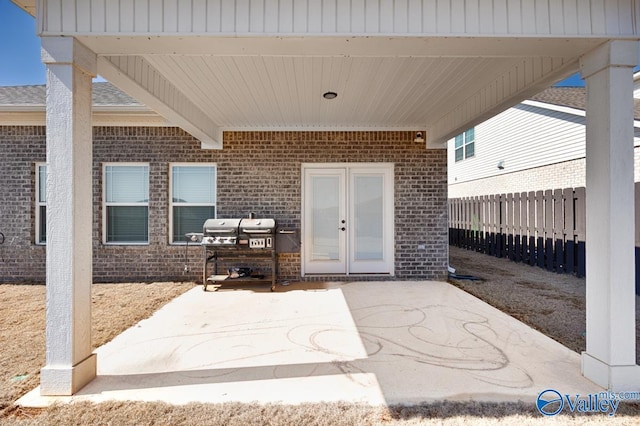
point(382, 84)
point(235, 76)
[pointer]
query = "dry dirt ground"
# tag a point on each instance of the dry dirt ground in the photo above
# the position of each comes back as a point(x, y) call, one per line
point(551, 303)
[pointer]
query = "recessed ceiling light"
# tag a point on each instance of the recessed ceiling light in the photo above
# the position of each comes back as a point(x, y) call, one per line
point(330, 95)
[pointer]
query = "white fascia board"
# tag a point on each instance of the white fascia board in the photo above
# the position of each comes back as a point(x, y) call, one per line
point(324, 129)
point(136, 77)
point(35, 116)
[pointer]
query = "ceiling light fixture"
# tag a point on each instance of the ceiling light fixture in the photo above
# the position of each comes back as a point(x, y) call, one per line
point(330, 95)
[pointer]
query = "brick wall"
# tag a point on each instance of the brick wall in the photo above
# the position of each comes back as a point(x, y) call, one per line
point(20, 259)
point(257, 172)
point(568, 174)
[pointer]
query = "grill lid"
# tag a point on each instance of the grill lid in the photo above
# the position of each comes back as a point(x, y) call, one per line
point(258, 226)
point(221, 226)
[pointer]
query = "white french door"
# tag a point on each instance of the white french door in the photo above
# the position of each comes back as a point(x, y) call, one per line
point(348, 219)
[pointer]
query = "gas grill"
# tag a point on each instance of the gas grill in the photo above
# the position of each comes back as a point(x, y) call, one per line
point(220, 232)
point(248, 240)
point(257, 233)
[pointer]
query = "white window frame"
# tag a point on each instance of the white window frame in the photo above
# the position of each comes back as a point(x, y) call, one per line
point(465, 142)
point(172, 204)
point(105, 206)
point(39, 203)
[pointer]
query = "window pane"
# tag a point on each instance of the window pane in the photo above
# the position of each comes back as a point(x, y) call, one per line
point(469, 150)
point(42, 184)
point(43, 224)
point(459, 154)
point(190, 219)
point(194, 184)
point(127, 184)
point(127, 224)
point(469, 135)
point(459, 141)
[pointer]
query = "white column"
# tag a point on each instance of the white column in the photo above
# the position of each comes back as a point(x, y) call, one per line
point(70, 363)
point(610, 358)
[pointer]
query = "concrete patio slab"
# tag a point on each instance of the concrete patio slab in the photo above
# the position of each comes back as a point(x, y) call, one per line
point(369, 342)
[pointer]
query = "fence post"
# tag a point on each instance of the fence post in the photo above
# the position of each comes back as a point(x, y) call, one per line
point(524, 225)
point(485, 222)
point(569, 226)
point(548, 228)
point(637, 227)
point(492, 225)
point(540, 228)
point(500, 225)
point(508, 204)
point(558, 227)
point(531, 227)
point(581, 215)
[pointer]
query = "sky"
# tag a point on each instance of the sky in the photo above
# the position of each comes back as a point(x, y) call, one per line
point(20, 50)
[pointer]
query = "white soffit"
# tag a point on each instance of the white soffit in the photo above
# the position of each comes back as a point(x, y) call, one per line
point(403, 91)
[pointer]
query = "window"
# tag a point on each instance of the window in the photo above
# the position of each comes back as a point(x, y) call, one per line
point(465, 144)
point(41, 203)
point(193, 198)
point(126, 203)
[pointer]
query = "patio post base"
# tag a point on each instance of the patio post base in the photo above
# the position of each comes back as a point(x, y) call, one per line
point(616, 378)
point(63, 381)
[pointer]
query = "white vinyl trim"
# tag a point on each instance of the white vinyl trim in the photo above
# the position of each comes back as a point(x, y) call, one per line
point(172, 204)
point(106, 204)
point(39, 203)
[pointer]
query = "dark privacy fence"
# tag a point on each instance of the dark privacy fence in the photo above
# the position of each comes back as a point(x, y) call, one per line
point(541, 228)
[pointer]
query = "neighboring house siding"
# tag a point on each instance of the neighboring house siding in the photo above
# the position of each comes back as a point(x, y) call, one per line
point(542, 148)
point(523, 137)
point(569, 174)
point(257, 172)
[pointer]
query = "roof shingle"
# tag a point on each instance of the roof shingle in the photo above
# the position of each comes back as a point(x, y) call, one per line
point(573, 97)
point(104, 94)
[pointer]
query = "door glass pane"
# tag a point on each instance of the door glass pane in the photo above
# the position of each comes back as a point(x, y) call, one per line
point(325, 220)
point(368, 210)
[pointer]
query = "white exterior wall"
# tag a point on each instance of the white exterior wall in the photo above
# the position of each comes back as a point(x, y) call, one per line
point(524, 137)
point(478, 17)
point(541, 149)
